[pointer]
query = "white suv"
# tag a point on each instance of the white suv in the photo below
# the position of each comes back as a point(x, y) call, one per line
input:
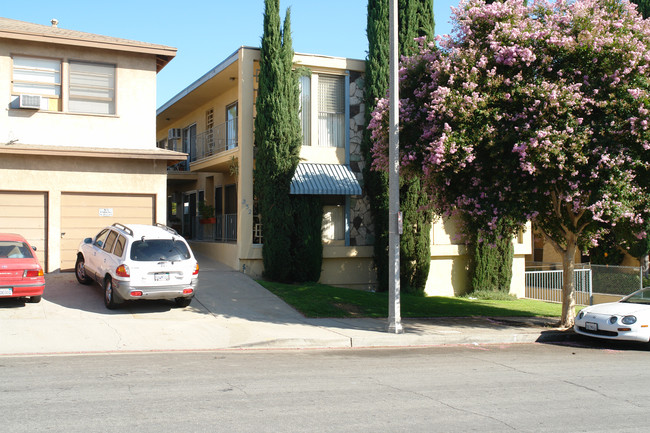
point(138, 262)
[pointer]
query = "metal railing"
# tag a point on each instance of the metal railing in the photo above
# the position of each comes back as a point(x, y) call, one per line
point(546, 285)
point(216, 140)
point(544, 281)
point(224, 229)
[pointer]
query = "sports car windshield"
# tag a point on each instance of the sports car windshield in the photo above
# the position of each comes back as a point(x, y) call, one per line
point(159, 249)
point(640, 297)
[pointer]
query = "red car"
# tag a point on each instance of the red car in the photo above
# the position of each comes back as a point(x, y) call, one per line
point(21, 276)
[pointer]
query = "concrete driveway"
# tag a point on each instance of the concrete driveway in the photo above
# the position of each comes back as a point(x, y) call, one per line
point(229, 311)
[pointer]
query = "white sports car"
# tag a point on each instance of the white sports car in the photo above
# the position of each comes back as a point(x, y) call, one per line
point(627, 319)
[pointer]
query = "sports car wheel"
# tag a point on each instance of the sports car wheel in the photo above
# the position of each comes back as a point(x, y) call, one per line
point(109, 294)
point(80, 271)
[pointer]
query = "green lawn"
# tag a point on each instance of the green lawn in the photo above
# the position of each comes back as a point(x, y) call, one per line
point(318, 300)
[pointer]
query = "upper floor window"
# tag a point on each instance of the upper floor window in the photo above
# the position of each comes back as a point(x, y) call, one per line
point(231, 126)
point(304, 83)
point(37, 76)
point(331, 111)
point(92, 88)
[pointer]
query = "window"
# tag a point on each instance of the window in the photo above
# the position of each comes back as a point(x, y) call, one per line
point(333, 223)
point(189, 141)
point(209, 125)
point(231, 126)
point(331, 111)
point(100, 240)
point(159, 249)
point(37, 76)
point(119, 246)
point(110, 241)
point(92, 88)
point(305, 108)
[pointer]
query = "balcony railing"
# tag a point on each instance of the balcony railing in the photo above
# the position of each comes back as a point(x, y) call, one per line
point(224, 229)
point(216, 140)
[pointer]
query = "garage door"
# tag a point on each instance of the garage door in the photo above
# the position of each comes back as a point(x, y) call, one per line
point(25, 213)
point(84, 215)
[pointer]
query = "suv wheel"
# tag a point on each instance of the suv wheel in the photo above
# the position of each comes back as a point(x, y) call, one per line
point(80, 271)
point(109, 294)
point(182, 302)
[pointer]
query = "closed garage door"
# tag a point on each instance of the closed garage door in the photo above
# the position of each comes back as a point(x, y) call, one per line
point(25, 213)
point(84, 215)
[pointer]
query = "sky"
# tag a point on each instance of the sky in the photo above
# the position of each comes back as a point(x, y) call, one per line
point(207, 32)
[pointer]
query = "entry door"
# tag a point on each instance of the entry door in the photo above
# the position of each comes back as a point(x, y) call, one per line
point(189, 142)
point(189, 215)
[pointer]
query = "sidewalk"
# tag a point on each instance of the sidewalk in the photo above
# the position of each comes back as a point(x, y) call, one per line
point(229, 312)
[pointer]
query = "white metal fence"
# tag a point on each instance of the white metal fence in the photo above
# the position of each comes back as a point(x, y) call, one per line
point(546, 285)
point(544, 282)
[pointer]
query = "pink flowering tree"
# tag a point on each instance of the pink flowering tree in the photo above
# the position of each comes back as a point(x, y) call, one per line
point(531, 112)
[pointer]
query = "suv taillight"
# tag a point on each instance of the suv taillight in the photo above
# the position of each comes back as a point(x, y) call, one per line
point(196, 270)
point(122, 271)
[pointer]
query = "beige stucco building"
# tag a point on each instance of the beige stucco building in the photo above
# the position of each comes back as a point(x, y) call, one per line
point(77, 136)
point(212, 120)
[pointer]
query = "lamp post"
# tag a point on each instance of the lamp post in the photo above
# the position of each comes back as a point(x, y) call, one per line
point(394, 319)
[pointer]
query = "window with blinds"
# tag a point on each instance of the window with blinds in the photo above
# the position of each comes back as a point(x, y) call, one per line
point(37, 76)
point(92, 88)
point(331, 111)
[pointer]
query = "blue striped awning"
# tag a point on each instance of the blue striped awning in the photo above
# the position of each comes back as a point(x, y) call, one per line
point(324, 179)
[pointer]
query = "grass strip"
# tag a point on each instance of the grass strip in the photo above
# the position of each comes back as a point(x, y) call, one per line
point(319, 300)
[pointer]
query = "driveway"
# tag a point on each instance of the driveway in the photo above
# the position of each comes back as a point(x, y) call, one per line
point(230, 311)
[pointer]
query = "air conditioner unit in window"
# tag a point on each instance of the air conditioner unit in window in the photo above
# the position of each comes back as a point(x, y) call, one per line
point(174, 133)
point(30, 101)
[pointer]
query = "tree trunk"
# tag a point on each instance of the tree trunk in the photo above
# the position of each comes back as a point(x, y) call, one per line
point(568, 282)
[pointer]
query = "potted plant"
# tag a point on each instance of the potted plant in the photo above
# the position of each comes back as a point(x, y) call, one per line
point(206, 213)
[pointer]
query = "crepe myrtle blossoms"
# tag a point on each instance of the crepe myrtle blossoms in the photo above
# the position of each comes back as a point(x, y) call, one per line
point(537, 112)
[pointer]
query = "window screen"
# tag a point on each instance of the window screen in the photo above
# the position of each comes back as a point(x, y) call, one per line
point(92, 88)
point(37, 76)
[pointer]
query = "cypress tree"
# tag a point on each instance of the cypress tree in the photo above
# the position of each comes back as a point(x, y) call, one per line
point(376, 85)
point(277, 154)
point(416, 20)
point(415, 248)
point(643, 6)
point(490, 261)
point(306, 253)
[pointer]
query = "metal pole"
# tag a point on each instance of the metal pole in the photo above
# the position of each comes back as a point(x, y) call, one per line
point(394, 319)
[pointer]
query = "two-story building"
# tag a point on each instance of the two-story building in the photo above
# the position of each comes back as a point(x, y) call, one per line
point(210, 195)
point(212, 120)
point(77, 136)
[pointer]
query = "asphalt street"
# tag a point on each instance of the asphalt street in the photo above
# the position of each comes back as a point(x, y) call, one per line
point(466, 388)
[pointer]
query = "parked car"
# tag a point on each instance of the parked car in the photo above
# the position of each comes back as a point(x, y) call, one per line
point(138, 262)
point(627, 319)
point(21, 275)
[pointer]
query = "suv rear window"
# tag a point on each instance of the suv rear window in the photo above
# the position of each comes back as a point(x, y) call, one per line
point(159, 249)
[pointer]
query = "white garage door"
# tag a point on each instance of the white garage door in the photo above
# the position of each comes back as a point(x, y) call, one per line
point(84, 215)
point(25, 213)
